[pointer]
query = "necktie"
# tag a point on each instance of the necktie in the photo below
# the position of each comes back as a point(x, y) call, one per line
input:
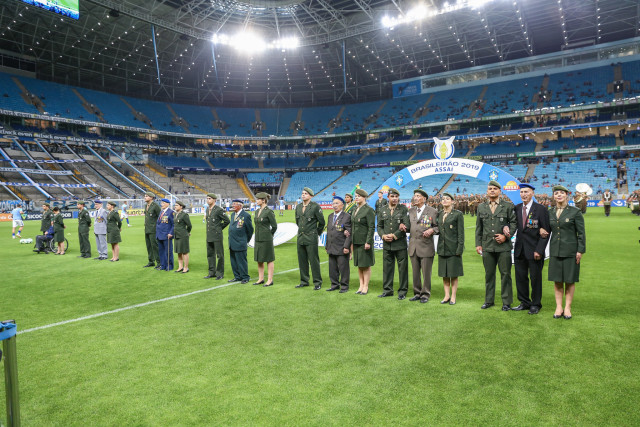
point(524, 216)
point(492, 206)
point(335, 219)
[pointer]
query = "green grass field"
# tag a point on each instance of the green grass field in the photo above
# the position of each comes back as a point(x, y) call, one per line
point(248, 355)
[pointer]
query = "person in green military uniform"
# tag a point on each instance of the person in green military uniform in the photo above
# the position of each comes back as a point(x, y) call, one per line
point(566, 246)
point(393, 226)
point(47, 216)
point(310, 222)
point(363, 225)
point(349, 204)
point(381, 202)
point(450, 247)
point(496, 221)
point(216, 220)
point(58, 230)
point(181, 233)
point(84, 224)
point(114, 225)
point(151, 213)
point(264, 228)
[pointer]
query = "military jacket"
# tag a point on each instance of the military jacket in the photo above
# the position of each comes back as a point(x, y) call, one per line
point(350, 208)
point(151, 212)
point(47, 217)
point(567, 233)
point(181, 225)
point(217, 221)
point(58, 223)
point(265, 225)
point(310, 223)
point(451, 233)
point(84, 221)
point(489, 224)
point(113, 221)
point(363, 225)
point(380, 203)
point(389, 223)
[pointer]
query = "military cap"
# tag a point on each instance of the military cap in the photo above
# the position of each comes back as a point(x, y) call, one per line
point(112, 203)
point(150, 194)
point(46, 204)
point(495, 183)
point(560, 188)
point(525, 185)
point(349, 196)
point(310, 191)
point(338, 198)
point(263, 195)
point(213, 196)
point(237, 201)
point(448, 195)
point(362, 193)
point(178, 202)
point(421, 192)
point(165, 200)
point(97, 202)
point(81, 202)
point(393, 191)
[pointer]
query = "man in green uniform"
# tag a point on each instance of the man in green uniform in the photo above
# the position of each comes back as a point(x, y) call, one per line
point(310, 223)
point(380, 202)
point(216, 220)
point(496, 220)
point(151, 212)
point(84, 223)
point(393, 225)
point(47, 217)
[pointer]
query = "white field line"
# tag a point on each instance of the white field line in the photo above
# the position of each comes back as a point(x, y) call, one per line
point(142, 304)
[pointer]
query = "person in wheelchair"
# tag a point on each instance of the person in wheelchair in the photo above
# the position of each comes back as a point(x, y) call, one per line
point(42, 241)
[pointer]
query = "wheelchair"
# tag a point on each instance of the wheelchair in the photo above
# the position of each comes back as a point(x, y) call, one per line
point(52, 246)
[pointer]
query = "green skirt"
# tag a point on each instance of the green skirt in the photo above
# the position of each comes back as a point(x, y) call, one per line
point(181, 245)
point(450, 266)
point(58, 236)
point(114, 236)
point(362, 257)
point(264, 252)
point(564, 269)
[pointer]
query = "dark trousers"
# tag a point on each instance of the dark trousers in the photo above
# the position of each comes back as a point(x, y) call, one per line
point(389, 259)
point(85, 246)
point(42, 240)
point(239, 265)
point(152, 247)
point(503, 261)
point(526, 268)
point(308, 256)
point(215, 258)
point(339, 271)
point(165, 252)
point(607, 210)
point(421, 282)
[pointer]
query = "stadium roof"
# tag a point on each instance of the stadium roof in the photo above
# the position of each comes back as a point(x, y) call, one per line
point(111, 48)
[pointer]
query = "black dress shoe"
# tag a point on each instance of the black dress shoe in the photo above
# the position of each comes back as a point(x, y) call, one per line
point(533, 310)
point(558, 316)
point(520, 307)
point(452, 303)
point(358, 292)
point(218, 277)
point(267, 285)
point(185, 271)
point(424, 300)
point(79, 256)
point(332, 289)
point(209, 276)
point(567, 317)
point(444, 301)
point(506, 307)
point(342, 291)
point(317, 287)
point(157, 267)
point(86, 256)
point(384, 295)
point(244, 281)
point(178, 271)
point(415, 298)
point(302, 285)
point(261, 282)
point(233, 280)
point(487, 305)
point(98, 258)
point(401, 297)
point(364, 293)
point(36, 251)
point(148, 265)
point(102, 258)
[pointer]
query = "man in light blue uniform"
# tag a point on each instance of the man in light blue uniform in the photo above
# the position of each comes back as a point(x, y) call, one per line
point(100, 230)
point(17, 221)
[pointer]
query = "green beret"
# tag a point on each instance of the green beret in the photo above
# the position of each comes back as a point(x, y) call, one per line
point(46, 204)
point(393, 191)
point(349, 196)
point(448, 195)
point(361, 192)
point(112, 203)
point(264, 196)
point(81, 202)
point(310, 191)
point(422, 192)
point(560, 188)
point(495, 184)
point(178, 202)
point(150, 194)
point(213, 196)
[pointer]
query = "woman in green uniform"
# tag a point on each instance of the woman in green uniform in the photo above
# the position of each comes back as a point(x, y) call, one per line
point(181, 232)
point(58, 230)
point(450, 247)
point(265, 228)
point(363, 224)
point(114, 224)
point(566, 246)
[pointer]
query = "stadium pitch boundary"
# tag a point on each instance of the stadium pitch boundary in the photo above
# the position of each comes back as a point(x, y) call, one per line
point(142, 304)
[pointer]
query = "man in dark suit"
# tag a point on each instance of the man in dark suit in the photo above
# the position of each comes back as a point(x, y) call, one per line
point(216, 221)
point(164, 236)
point(529, 249)
point(421, 247)
point(240, 232)
point(338, 246)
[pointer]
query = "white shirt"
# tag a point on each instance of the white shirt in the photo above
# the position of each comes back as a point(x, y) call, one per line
point(421, 210)
point(528, 206)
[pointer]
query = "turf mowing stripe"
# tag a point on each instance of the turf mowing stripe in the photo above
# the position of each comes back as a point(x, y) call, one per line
point(142, 304)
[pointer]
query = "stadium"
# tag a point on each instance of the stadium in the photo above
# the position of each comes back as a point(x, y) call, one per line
point(188, 100)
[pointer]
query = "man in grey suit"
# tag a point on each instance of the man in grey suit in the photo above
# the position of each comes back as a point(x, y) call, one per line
point(421, 247)
point(100, 230)
point(338, 246)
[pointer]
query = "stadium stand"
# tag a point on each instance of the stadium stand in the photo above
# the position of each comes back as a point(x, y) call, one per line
point(599, 174)
point(286, 162)
point(345, 159)
point(181, 161)
point(368, 179)
point(314, 180)
point(11, 98)
point(264, 177)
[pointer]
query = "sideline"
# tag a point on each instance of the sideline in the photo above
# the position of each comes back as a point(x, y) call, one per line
point(142, 304)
